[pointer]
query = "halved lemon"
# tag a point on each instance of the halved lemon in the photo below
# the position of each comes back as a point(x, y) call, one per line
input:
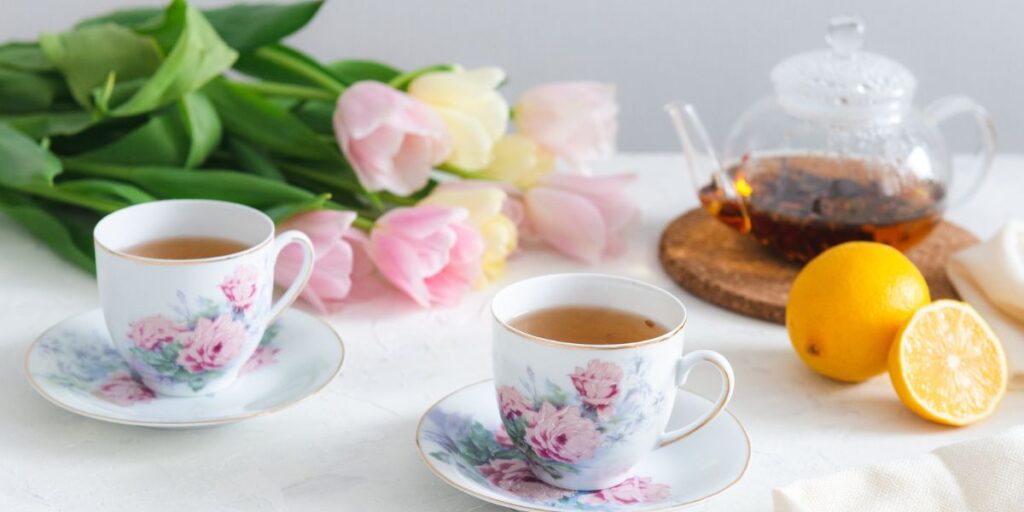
point(947, 365)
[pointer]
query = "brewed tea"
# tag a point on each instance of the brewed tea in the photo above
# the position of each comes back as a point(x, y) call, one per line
point(800, 205)
point(588, 325)
point(186, 248)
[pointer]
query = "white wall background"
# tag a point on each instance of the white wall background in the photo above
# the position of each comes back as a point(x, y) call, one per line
point(716, 54)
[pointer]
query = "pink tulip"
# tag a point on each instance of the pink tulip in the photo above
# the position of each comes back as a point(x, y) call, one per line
point(582, 216)
point(430, 253)
point(391, 139)
point(340, 257)
point(511, 207)
point(574, 120)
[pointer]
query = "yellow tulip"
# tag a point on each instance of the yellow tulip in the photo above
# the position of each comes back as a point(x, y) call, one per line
point(469, 106)
point(484, 206)
point(519, 160)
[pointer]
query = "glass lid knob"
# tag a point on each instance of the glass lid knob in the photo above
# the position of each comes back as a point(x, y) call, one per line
point(845, 35)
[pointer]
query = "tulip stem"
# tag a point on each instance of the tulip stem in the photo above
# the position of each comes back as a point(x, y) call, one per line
point(454, 171)
point(311, 72)
point(399, 200)
point(286, 90)
point(401, 82)
point(63, 196)
point(363, 223)
point(321, 177)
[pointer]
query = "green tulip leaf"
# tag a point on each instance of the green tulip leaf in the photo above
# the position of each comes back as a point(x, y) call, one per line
point(254, 160)
point(317, 115)
point(47, 227)
point(258, 121)
point(279, 63)
point(26, 91)
point(25, 162)
point(246, 27)
point(24, 57)
point(106, 189)
point(183, 135)
point(88, 56)
point(48, 124)
point(197, 56)
point(243, 27)
point(352, 71)
point(180, 183)
point(202, 126)
point(142, 19)
point(161, 141)
point(282, 212)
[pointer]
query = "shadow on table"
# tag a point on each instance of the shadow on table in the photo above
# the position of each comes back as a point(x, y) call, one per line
point(774, 386)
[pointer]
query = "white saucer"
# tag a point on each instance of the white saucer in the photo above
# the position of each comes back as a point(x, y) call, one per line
point(75, 366)
point(456, 439)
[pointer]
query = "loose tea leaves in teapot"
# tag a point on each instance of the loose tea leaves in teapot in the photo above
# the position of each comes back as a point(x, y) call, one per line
point(801, 205)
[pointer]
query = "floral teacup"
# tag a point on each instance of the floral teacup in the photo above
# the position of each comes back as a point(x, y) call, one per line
point(187, 326)
point(584, 415)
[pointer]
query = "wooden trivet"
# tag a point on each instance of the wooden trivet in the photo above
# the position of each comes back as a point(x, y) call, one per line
point(717, 264)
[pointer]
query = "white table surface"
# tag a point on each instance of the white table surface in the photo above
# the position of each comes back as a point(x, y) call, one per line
point(351, 448)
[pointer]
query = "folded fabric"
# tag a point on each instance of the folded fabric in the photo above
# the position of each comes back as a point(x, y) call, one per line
point(990, 277)
point(984, 475)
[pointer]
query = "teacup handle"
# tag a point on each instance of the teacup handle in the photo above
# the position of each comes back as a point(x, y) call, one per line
point(288, 297)
point(683, 368)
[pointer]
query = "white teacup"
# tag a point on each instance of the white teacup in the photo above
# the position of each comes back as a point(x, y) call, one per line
point(584, 415)
point(187, 326)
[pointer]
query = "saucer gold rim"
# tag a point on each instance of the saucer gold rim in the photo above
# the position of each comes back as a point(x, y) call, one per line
point(507, 504)
point(176, 424)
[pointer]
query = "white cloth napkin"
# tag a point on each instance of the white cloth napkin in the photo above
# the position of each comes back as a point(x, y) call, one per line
point(985, 475)
point(990, 277)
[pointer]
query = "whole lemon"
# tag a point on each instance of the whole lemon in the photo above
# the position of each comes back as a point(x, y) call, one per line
point(846, 306)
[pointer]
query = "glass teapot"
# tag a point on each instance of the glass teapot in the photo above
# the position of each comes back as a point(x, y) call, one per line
point(838, 153)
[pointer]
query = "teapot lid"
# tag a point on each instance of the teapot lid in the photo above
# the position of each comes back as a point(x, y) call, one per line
point(843, 82)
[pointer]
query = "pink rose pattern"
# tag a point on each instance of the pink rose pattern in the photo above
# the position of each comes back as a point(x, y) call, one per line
point(631, 492)
point(515, 476)
point(152, 332)
point(242, 287)
point(553, 433)
point(492, 454)
point(562, 434)
point(263, 356)
point(513, 405)
point(598, 385)
point(121, 389)
point(211, 341)
point(212, 344)
point(502, 438)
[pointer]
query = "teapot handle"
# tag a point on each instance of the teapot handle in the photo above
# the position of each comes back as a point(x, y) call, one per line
point(944, 108)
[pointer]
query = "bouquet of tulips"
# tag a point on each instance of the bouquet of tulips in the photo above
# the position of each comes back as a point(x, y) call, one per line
point(409, 176)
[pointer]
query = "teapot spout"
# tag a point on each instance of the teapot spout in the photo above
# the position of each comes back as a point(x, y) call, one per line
point(701, 159)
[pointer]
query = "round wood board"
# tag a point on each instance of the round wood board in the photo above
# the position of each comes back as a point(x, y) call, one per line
point(717, 264)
